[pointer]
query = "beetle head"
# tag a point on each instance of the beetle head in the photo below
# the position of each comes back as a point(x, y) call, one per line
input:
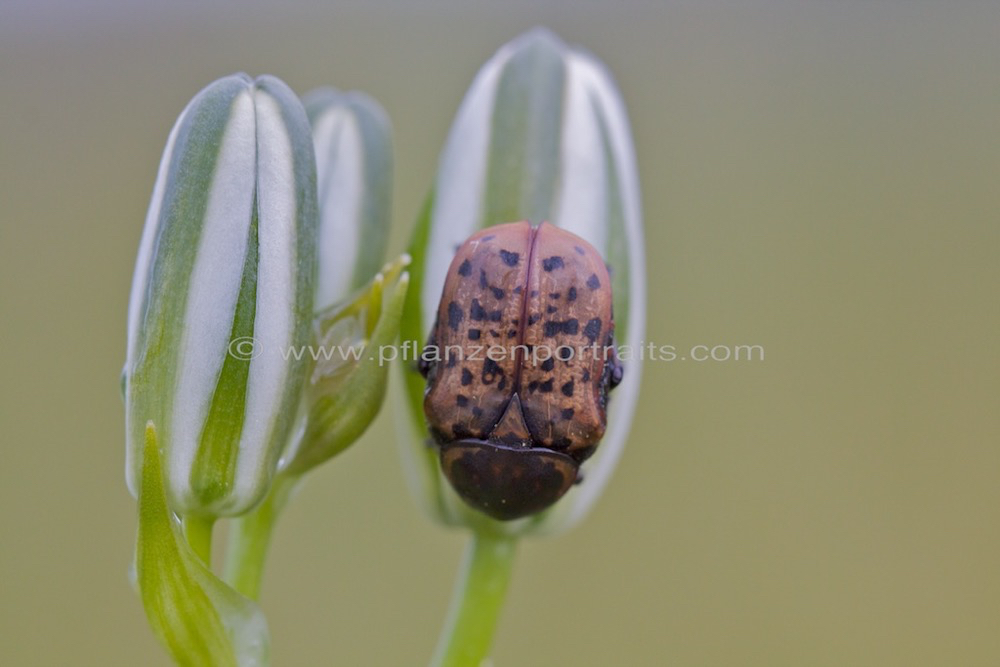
point(504, 476)
point(507, 482)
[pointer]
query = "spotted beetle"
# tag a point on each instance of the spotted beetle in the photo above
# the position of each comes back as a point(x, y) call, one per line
point(518, 366)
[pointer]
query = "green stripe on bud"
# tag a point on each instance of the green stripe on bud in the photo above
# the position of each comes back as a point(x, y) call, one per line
point(542, 134)
point(223, 289)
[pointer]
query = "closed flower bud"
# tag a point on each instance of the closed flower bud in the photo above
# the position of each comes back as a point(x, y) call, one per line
point(223, 289)
point(347, 385)
point(542, 135)
point(353, 142)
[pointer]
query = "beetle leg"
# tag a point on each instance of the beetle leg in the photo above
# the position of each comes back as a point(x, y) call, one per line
point(425, 364)
point(617, 370)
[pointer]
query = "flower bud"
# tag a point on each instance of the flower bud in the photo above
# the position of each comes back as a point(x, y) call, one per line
point(347, 386)
point(357, 309)
point(542, 135)
point(223, 289)
point(353, 141)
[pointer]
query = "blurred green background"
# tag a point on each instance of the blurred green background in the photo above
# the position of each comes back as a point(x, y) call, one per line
point(819, 178)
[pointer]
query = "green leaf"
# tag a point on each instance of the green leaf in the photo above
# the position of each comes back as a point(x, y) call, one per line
point(199, 619)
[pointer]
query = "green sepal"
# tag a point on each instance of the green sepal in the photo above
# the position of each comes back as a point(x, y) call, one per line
point(345, 396)
point(199, 619)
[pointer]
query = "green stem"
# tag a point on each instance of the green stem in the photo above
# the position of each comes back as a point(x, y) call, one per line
point(476, 602)
point(250, 537)
point(198, 532)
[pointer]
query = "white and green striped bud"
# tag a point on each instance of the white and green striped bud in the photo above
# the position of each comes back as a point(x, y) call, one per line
point(223, 289)
point(353, 141)
point(356, 310)
point(358, 306)
point(542, 135)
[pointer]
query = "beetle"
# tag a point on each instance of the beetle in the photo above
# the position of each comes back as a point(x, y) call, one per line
point(518, 366)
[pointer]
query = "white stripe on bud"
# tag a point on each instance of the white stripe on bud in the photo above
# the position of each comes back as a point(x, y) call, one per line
point(214, 288)
point(353, 145)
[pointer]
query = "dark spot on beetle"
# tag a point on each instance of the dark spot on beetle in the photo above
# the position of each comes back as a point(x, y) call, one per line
point(550, 309)
point(460, 431)
point(496, 315)
point(554, 295)
point(586, 376)
point(567, 413)
point(511, 333)
point(533, 294)
point(514, 321)
point(518, 289)
point(465, 268)
point(474, 334)
point(570, 326)
point(567, 389)
point(510, 258)
point(452, 360)
point(477, 411)
point(571, 294)
point(491, 370)
point(476, 311)
point(494, 333)
point(461, 400)
point(564, 353)
point(533, 386)
point(534, 317)
point(552, 263)
point(498, 293)
point(503, 384)
point(454, 315)
point(579, 250)
point(482, 279)
point(548, 364)
point(545, 387)
point(466, 377)
point(593, 282)
point(593, 329)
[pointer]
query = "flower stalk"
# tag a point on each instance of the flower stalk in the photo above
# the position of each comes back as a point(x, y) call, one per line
point(250, 539)
point(478, 597)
